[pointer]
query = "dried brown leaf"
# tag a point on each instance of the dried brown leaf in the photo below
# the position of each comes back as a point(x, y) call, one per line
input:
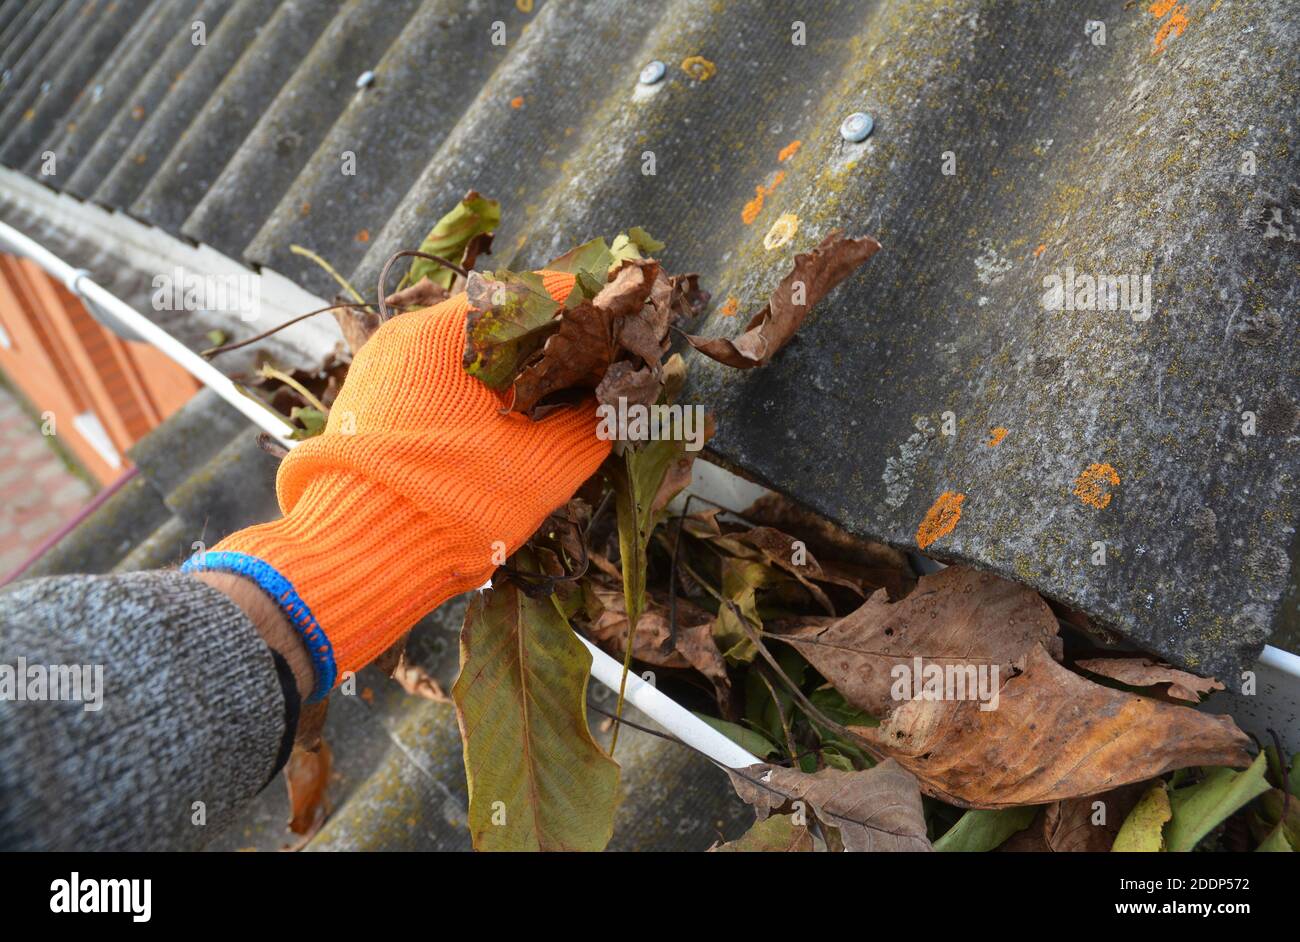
point(878, 809)
point(1146, 672)
point(1089, 824)
point(815, 273)
point(1053, 735)
point(424, 293)
point(311, 721)
point(693, 648)
point(480, 244)
point(357, 324)
point(417, 681)
point(307, 775)
point(576, 355)
point(864, 563)
point(624, 381)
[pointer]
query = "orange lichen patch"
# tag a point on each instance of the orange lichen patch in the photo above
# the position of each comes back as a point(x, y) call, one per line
point(141, 158)
point(730, 306)
point(524, 6)
point(941, 519)
point(788, 150)
point(517, 102)
point(1040, 250)
point(304, 209)
point(996, 435)
point(367, 695)
point(138, 112)
point(1176, 23)
point(755, 206)
point(29, 114)
point(699, 68)
point(363, 235)
point(1090, 487)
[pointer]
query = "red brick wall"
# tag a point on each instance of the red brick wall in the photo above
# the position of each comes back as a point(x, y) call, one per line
point(66, 364)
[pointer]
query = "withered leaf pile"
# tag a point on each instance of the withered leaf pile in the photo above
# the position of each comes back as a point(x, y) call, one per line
point(612, 332)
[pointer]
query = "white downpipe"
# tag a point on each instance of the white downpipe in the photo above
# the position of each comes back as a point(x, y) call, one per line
point(683, 724)
point(679, 721)
point(1281, 660)
point(79, 283)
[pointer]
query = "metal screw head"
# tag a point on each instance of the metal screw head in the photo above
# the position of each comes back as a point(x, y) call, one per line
point(365, 78)
point(652, 72)
point(857, 127)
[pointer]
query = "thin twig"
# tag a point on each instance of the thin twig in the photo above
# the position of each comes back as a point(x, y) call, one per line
point(598, 513)
point(213, 351)
point(409, 253)
point(666, 737)
point(798, 694)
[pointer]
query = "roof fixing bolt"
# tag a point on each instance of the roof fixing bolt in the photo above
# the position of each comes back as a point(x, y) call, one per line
point(857, 127)
point(365, 78)
point(652, 72)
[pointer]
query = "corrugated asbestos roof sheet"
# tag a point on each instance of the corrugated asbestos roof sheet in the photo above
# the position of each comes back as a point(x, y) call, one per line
point(1013, 142)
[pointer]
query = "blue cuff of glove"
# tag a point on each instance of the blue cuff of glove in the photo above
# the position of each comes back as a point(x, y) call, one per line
point(282, 592)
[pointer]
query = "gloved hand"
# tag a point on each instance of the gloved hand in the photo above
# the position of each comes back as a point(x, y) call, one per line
point(412, 494)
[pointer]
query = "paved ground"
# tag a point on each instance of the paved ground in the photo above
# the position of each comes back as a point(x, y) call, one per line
point(37, 491)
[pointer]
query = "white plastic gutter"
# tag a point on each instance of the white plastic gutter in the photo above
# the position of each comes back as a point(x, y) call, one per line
point(679, 721)
point(78, 281)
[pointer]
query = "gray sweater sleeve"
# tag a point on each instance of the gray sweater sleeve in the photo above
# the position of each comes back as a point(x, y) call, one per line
point(191, 718)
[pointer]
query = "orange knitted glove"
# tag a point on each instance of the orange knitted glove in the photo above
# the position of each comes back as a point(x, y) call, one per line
point(410, 496)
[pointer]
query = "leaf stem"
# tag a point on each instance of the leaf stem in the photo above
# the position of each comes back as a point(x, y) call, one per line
point(213, 351)
point(270, 372)
point(347, 285)
point(637, 543)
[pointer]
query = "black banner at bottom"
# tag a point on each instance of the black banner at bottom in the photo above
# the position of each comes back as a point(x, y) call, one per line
point(382, 892)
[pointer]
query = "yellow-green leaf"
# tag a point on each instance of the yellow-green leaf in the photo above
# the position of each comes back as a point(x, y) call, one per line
point(473, 215)
point(593, 257)
point(1143, 829)
point(778, 834)
point(313, 422)
point(537, 780)
point(1275, 842)
point(1198, 809)
point(981, 830)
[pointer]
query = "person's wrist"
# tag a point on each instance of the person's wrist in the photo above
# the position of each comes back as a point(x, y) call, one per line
point(354, 565)
point(269, 621)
